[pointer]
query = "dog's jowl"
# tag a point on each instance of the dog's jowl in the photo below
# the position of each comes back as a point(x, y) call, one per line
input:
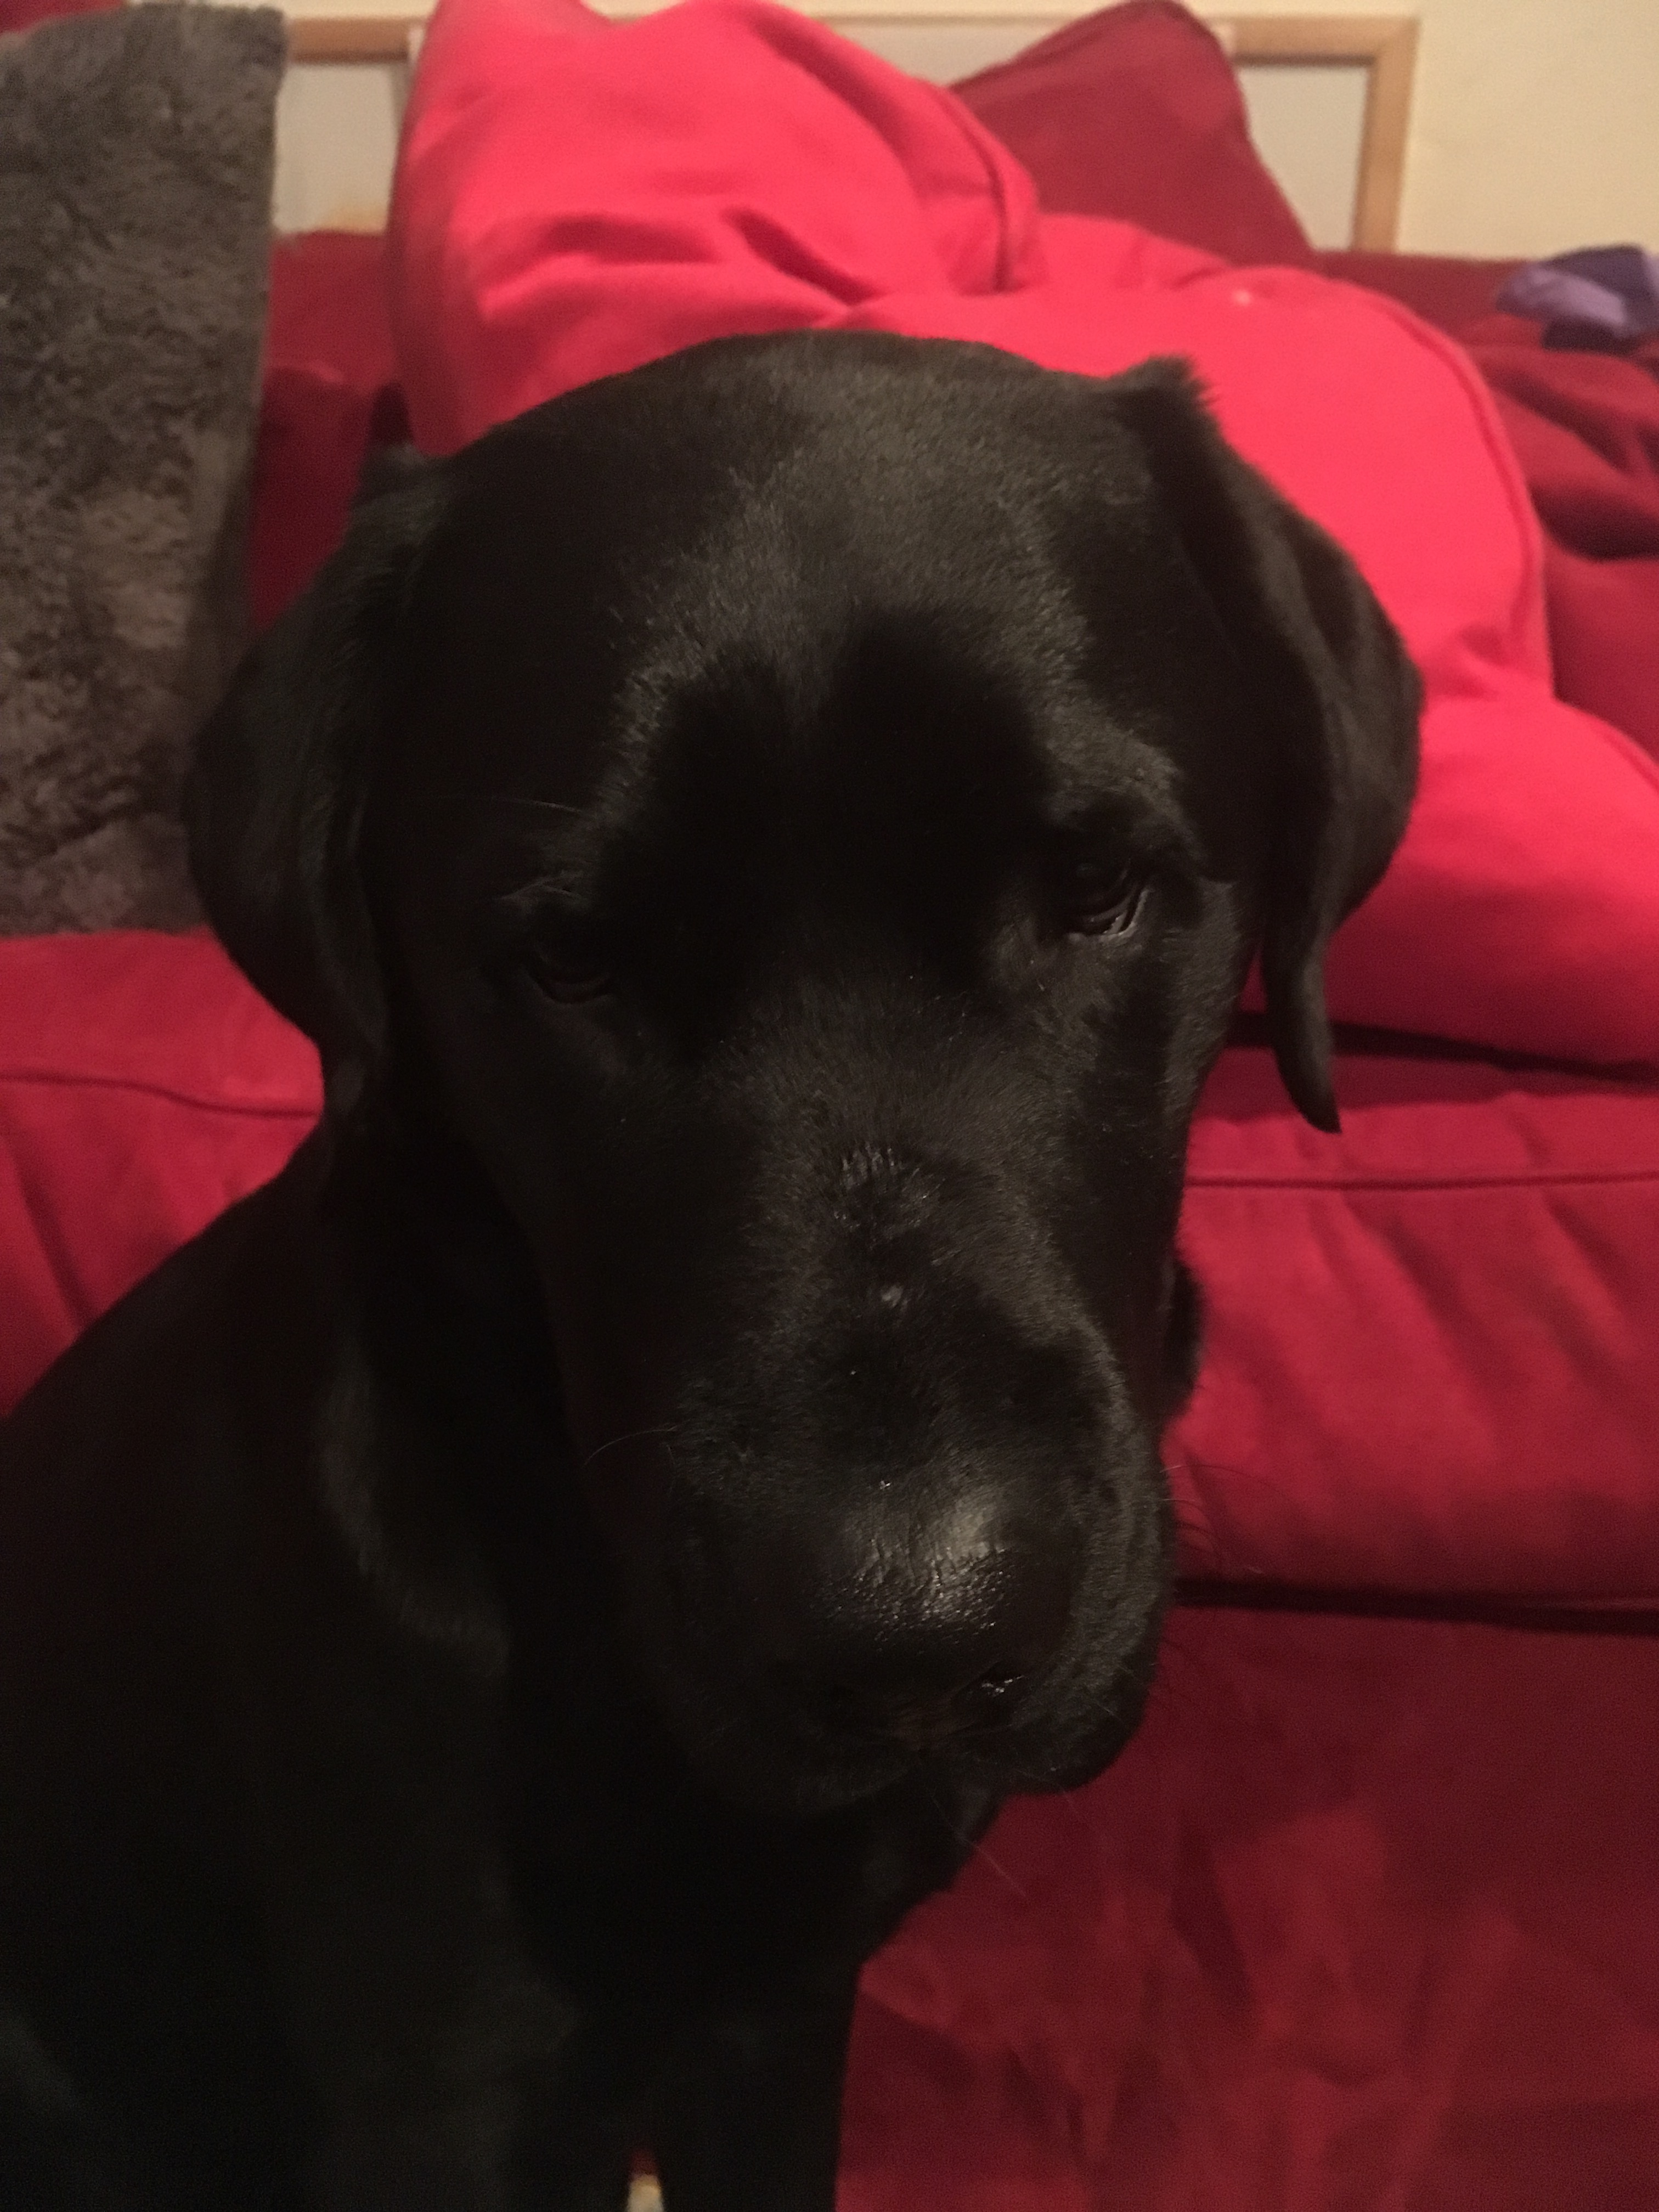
point(496, 1631)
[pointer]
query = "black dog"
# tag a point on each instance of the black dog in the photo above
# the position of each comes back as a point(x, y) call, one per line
point(497, 1630)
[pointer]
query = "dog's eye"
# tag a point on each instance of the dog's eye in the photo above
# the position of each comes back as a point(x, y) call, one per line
point(564, 957)
point(1102, 898)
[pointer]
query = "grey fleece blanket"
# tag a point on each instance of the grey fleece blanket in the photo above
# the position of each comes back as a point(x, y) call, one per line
point(136, 152)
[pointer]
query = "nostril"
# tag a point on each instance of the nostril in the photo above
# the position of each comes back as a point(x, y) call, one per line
point(956, 1638)
point(903, 1709)
point(992, 1699)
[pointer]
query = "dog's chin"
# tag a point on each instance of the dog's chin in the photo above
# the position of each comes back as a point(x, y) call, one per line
point(772, 1765)
point(800, 1786)
point(759, 1763)
point(802, 1781)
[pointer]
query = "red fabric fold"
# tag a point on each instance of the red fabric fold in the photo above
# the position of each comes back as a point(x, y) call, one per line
point(1585, 427)
point(330, 393)
point(143, 1087)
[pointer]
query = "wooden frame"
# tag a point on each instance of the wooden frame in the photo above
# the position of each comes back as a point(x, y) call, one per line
point(359, 39)
point(1384, 47)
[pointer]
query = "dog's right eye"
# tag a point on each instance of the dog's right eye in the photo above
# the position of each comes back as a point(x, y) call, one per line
point(1102, 898)
point(565, 958)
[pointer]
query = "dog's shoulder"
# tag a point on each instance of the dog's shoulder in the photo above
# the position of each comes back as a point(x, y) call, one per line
point(156, 1367)
point(129, 1473)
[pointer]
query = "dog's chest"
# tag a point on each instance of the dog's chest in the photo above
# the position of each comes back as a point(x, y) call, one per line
point(685, 1900)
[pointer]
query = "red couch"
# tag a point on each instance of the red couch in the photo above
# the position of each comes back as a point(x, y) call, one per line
point(1368, 1916)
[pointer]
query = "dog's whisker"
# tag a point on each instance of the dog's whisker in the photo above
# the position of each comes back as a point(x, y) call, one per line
point(712, 1738)
point(537, 805)
point(974, 1846)
point(979, 1850)
point(633, 1437)
point(1068, 1799)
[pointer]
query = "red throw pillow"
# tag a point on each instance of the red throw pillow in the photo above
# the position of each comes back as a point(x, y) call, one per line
point(1136, 113)
point(574, 198)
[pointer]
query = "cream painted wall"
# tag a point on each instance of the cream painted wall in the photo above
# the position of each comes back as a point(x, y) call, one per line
point(1534, 123)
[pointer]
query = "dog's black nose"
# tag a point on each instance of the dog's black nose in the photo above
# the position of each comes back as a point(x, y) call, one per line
point(924, 1648)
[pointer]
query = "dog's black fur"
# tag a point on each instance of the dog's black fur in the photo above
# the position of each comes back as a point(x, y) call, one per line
point(495, 1632)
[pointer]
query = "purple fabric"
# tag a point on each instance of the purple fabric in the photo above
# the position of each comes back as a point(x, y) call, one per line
point(1602, 294)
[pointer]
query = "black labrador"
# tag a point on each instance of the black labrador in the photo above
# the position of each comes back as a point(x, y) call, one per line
point(495, 1632)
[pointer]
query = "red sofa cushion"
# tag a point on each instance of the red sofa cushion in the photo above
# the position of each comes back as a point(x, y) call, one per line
point(143, 1087)
point(1431, 1359)
point(1448, 290)
point(573, 199)
point(1136, 113)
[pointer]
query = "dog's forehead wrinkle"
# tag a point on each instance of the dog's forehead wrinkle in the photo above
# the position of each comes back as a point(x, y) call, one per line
point(761, 639)
point(809, 746)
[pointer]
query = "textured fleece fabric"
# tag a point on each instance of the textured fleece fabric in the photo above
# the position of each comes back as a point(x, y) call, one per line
point(136, 156)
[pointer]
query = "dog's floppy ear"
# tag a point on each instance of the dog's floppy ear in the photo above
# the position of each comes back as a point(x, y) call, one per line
point(274, 802)
point(1333, 692)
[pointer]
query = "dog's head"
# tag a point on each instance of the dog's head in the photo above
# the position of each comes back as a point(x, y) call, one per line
point(803, 812)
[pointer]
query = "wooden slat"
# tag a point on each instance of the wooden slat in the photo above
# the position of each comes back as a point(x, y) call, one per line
point(1385, 47)
point(1308, 38)
point(359, 39)
point(1383, 140)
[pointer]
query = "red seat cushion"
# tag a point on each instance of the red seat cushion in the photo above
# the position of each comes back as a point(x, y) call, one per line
point(1136, 113)
point(1362, 1921)
point(573, 198)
